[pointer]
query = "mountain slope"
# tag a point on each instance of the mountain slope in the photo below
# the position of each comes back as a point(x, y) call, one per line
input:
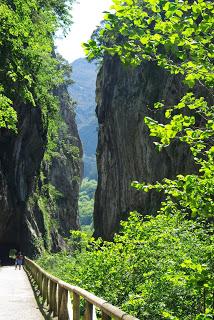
point(83, 92)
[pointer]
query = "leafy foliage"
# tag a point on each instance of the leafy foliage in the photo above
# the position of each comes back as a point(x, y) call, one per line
point(178, 35)
point(192, 194)
point(157, 268)
point(29, 72)
point(86, 201)
point(8, 117)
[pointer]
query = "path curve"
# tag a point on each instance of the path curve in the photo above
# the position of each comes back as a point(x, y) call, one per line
point(17, 301)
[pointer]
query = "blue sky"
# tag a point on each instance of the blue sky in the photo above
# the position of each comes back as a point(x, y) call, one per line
point(86, 16)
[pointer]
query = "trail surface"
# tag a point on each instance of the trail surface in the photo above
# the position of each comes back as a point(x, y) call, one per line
point(17, 301)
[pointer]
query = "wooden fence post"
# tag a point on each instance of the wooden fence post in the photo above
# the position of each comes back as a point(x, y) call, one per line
point(63, 303)
point(76, 306)
point(105, 316)
point(40, 282)
point(45, 289)
point(88, 315)
point(53, 299)
point(37, 277)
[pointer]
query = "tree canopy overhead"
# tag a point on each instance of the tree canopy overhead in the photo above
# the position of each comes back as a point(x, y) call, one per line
point(29, 72)
point(177, 34)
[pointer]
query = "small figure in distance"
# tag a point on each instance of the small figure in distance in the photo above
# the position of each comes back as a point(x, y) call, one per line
point(19, 260)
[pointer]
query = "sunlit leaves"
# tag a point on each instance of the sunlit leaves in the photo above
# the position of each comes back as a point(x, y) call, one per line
point(156, 268)
point(177, 123)
point(192, 194)
point(183, 29)
point(178, 35)
point(8, 116)
point(28, 71)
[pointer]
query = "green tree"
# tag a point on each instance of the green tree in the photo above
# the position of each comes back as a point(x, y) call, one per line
point(29, 72)
point(86, 201)
point(178, 35)
point(89, 186)
point(157, 268)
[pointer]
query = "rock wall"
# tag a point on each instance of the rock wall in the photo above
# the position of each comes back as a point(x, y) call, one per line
point(125, 151)
point(26, 221)
point(82, 91)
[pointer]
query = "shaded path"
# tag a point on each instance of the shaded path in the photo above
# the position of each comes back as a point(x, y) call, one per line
point(17, 301)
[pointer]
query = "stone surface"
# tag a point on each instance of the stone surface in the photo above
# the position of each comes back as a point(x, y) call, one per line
point(24, 174)
point(65, 173)
point(83, 92)
point(126, 152)
point(20, 159)
point(17, 300)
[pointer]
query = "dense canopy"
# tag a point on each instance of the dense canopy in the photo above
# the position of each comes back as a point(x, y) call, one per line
point(29, 72)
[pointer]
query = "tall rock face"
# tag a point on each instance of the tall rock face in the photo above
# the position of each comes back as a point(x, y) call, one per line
point(82, 90)
point(39, 193)
point(126, 152)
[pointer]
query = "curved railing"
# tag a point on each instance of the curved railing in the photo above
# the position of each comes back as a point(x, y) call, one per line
point(63, 299)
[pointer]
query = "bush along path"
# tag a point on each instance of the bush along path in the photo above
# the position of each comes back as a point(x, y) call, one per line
point(157, 268)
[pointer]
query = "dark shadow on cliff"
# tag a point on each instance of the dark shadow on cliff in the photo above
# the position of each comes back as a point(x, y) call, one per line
point(4, 262)
point(8, 252)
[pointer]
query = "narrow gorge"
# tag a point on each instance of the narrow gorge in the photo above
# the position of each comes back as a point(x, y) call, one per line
point(107, 159)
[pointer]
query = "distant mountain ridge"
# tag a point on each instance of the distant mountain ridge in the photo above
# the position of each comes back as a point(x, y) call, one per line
point(82, 91)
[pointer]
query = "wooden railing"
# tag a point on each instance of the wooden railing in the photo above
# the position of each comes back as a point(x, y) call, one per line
point(63, 299)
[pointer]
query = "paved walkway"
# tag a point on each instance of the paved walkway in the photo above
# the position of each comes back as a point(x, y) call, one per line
point(17, 301)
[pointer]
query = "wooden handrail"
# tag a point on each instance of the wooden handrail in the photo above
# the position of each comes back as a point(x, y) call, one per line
point(57, 293)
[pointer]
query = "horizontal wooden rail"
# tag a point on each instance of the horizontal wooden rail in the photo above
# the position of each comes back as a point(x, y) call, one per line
point(63, 299)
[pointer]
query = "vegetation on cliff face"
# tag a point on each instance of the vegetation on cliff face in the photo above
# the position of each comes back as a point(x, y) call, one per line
point(160, 267)
point(56, 193)
point(37, 120)
point(28, 70)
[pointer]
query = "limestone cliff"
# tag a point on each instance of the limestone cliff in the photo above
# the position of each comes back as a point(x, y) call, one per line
point(39, 194)
point(83, 92)
point(126, 152)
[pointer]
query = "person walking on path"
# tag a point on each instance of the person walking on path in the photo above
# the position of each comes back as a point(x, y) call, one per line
point(19, 260)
